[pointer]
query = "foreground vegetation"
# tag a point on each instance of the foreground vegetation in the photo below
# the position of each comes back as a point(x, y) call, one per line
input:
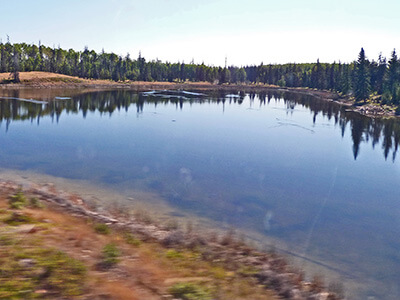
point(376, 79)
point(48, 253)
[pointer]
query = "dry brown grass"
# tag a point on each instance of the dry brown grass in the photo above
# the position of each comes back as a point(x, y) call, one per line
point(27, 76)
point(44, 79)
point(37, 78)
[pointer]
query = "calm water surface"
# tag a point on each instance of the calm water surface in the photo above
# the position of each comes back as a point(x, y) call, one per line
point(320, 180)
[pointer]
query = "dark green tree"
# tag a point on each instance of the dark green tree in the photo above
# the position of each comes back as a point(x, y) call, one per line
point(393, 80)
point(380, 75)
point(225, 76)
point(345, 80)
point(362, 80)
point(318, 77)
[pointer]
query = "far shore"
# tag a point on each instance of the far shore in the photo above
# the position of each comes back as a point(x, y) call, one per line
point(45, 80)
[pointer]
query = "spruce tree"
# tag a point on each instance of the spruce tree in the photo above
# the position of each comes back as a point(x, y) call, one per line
point(362, 88)
point(381, 74)
point(318, 78)
point(394, 77)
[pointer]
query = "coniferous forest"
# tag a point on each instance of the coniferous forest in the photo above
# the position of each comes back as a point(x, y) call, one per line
point(363, 78)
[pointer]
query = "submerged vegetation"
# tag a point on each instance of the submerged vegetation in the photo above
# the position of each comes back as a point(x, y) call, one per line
point(376, 79)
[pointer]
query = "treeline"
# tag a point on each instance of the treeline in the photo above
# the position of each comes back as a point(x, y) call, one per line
point(89, 64)
point(362, 78)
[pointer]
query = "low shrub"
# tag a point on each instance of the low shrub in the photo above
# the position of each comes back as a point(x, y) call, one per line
point(63, 273)
point(131, 240)
point(189, 291)
point(18, 219)
point(17, 201)
point(22, 271)
point(102, 228)
point(35, 203)
point(173, 254)
point(110, 255)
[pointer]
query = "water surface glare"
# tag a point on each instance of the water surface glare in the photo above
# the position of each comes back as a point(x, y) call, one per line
point(320, 180)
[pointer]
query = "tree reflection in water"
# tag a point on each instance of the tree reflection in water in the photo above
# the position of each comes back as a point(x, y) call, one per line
point(363, 129)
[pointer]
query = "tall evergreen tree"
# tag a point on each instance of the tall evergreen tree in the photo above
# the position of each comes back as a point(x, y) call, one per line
point(380, 74)
point(362, 80)
point(318, 78)
point(394, 77)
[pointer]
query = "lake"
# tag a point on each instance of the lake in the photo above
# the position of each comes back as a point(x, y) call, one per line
point(296, 173)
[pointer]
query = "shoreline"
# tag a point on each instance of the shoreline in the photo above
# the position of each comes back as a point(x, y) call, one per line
point(43, 80)
point(152, 207)
point(271, 269)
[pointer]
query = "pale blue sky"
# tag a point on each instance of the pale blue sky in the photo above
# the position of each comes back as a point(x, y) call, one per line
point(247, 32)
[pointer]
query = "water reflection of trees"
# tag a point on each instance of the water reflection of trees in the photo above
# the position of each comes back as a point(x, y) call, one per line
point(362, 129)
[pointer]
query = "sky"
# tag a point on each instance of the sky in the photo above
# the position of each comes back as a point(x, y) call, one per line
point(245, 32)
